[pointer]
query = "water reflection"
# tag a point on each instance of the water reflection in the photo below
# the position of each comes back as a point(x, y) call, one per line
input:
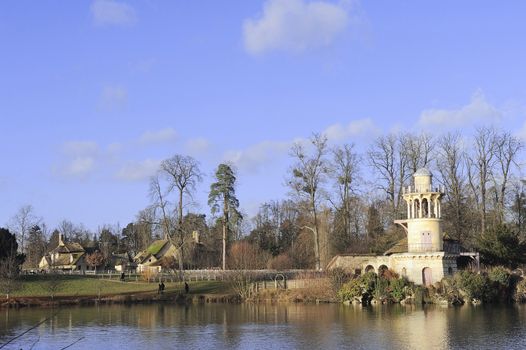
point(266, 326)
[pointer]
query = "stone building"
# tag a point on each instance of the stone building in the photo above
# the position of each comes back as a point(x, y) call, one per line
point(425, 256)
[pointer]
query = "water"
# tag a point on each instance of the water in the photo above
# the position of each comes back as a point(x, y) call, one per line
point(282, 326)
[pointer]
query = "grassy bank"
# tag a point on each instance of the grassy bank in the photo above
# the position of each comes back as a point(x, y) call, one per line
point(47, 287)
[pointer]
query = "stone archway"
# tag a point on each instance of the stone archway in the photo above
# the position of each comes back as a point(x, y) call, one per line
point(427, 276)
point(369, 268)
point(382, 269)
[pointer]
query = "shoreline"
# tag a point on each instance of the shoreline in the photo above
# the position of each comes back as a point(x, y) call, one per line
point(125, 298)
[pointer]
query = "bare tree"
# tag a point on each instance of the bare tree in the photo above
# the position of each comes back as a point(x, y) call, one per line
point(480, 165)
point(183, 174)
point(9, 267)
point(506, 153)
point(388, 158)
point(160, 204)
point(308, 176)
point(22, 223)
point(419, 149)
point(345, 170)
point(451, 166)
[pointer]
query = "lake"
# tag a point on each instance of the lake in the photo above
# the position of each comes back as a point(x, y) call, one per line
point(266, 326)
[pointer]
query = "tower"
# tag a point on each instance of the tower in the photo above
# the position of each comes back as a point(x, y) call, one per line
point(423, 223)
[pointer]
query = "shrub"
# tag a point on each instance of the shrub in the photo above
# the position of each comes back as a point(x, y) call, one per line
point(520, 291)
point(500, 275)
point(337, 278)
point(359, 287)
point(280, 262)
point(351, 290)
point(398, 288)
point(474, 285)
point(149, 274)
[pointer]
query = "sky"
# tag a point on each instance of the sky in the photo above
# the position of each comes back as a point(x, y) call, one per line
point(94, 94)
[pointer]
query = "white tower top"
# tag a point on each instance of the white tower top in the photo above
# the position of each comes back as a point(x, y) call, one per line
point(423, 223)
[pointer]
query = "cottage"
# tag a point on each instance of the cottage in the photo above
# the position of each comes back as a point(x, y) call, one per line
point(66, 257)
point(153, 257)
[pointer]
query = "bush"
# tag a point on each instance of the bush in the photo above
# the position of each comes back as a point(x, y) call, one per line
point(280, 262)
point(520, 291)
point(149, 274)
point(398, 289)
point(474, 285)
point(351, 290)
point(500, 275)
point(370, 285)
point(337, 278)
point(359, 287)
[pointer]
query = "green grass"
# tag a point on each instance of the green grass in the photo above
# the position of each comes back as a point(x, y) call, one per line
point(71, 285)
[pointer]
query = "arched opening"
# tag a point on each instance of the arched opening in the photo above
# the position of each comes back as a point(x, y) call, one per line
point(382, 270)
point(450, 270)
point(369, 268)
point(416, 213)
point(425, 208)
point(427, 277)
point(404, 272)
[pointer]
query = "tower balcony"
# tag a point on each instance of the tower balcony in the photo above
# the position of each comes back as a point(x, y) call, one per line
point(423, 189)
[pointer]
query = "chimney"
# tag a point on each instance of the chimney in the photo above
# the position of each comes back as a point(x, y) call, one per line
point(195, 236)
point(60, 240)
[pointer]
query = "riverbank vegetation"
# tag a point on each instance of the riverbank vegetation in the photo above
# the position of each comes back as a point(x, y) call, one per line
point(494, 285)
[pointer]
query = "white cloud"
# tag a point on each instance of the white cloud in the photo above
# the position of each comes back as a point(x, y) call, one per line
point(197, 146)
point(158, 136)
point(356, 128)
point(294, 25)
point(80, 158)
point(477, 111)
point(134, 171)
point(255, 156)
point(110, 12)
point(79, 166)
point(113, 97)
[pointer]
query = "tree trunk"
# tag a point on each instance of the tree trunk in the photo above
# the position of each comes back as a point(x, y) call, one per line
point(224, 245)
point(316, 237)
point(225, 228)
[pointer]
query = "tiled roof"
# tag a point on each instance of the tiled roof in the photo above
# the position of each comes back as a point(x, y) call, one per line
point(399, 247)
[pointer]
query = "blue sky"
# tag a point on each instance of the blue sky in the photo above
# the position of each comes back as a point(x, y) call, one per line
point(93, 94)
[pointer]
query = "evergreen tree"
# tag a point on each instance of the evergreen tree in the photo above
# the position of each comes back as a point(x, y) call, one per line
point(223, 196)
point(500, 245)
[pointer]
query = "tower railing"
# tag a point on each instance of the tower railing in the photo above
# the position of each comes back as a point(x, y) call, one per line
point(420, 247)
point(423, 189)
point(428, 247)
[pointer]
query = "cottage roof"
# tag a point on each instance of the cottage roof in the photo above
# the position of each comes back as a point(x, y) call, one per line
point(156, 246)
point(398, 247)
point(141, 256)
point(68, 248)
point(66, 259)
